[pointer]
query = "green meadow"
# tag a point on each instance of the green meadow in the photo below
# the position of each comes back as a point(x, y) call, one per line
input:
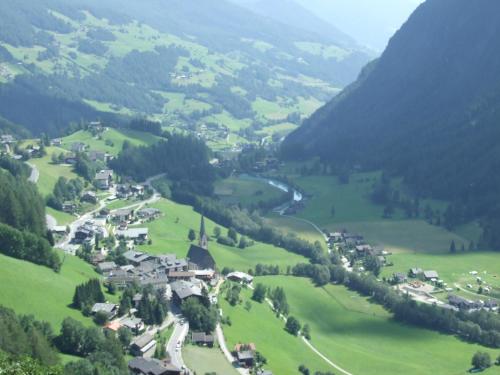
point(362, 338)
point(32, 289)
point(284, 352)
point(170, 235)
point(205, 360)
point(111, 140)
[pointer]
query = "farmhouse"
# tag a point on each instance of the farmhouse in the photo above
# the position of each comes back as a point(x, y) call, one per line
point(78, 147)
point(123, 215)
point(136, 325)
point(136, 234)
point(240, 277)
point(430, 275)
point(69, 207)
point(181, 290)
point(110, 309)
point(98, 156)
point(201, 338)
point(143, 346)
point(245, 354)
point(90, 197)
point(415, 272)
point(104, 179)
point(143, 366)
point(105, 267)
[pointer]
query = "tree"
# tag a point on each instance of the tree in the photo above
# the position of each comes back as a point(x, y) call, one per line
point(191, 235)
point(217, 232)
point(372, 263)
point(248, 305)
point(243, 242)
point(292, 326)
point(453, 247)
point(471, 246)
point(481, 360)
point(498, 360)
point(306, 331)
point(100, 318)
point(232, 234)
point(304, 370)
point(259, 293)
point(125, 336)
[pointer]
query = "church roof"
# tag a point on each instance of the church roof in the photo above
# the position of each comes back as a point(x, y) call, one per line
point(201, 258)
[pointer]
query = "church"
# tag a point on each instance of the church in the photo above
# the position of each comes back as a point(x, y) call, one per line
point(199, 257)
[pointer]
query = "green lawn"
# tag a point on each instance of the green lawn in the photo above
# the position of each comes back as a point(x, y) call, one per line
point(205, 360)
point(169, 235)
point(50, 173)
point(260, 326)
point(115, 138)
point(362, 338)
point(62, 218)
point(37, 290)
point(293, 225)
point(245, 190)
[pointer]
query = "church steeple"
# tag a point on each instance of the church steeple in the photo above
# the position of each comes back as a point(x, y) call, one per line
point(203, 234)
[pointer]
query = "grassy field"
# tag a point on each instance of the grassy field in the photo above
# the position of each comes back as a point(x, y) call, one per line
point(284, 352)
point(62, 218)
point(362, 338)
point(245, 191)
point(205, 360)
point(50, 173)
point(169, 235)
point(32, 289)
point(293, 225)
point(111, 140)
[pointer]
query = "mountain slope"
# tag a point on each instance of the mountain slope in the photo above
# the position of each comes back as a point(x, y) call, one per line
point(186, 63)
point(428, 109)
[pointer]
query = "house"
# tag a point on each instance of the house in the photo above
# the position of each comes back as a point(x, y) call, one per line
point(56, 142)
point(169, 262)
point(136, 325)
point(245, 358)
point(104, 179)
point(105, 267)
point(136, 258)
point(123, 215)
point(399, 278)
point(136, 234)
point(98, 156)
point(363, 250)
point(240, 277)
point(7, 139)
point(104, 213)
point(78, 147)
point(110, 309)
point(205, 275)
point(137, 299)
point(69, 207)
point(148, 213)
point(181, 275)
point(123, 191)
point(201, 338)
point(181, 290)
point(462, 303)
point(143, 346)
point(137, 189)
point(90, 197)
point(431, 275)
point(143, 366)
point(415, 272)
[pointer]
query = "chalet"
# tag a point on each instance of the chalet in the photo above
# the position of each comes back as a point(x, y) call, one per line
point(143, 366)
point(136, 325)
point(110, 309)
point(83, 234)
point(245, 355)
point(69, 207)
point(98, 156)
point(180, 275)
point(57, 142)
point(103, 213)
point(416, 272)
point(181, 290)
point(431, 275)
point(59, 229)
point(123, 191)
point(78, 147)
point(137, 189)
point(148, 213)
point(106, 267)
point(399, 278)
point(139, 235)
point(240, 277)
point(363, 250)
point(143, 346)
point(104, 179)
point(136, 258)
point(90, 197)
point(201, 338)
point(205, 275)
point(123, 215)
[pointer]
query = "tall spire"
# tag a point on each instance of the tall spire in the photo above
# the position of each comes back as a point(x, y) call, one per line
point(203, 234)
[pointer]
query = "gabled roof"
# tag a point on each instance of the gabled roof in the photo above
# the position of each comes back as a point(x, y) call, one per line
point(151, 366)
point(201, 257)
point(184, 289)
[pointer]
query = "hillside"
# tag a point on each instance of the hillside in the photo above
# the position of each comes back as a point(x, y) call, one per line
point(426, 110)
point(184, 63)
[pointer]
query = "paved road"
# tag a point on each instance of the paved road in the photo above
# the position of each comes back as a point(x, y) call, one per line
point(51, 221)
point(178, 336)
point(227, 353)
